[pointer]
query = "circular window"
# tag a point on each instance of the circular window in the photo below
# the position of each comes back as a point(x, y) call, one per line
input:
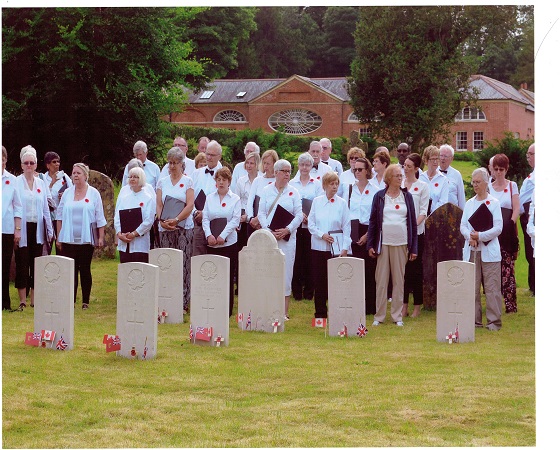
point(295, 121)
point(229, 115)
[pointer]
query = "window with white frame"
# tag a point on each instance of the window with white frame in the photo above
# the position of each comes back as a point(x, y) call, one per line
point(365, 132)
point(478, 140)
point(295, 121)
point(229, 115)
point(353, 118)
point(470, 114)
point(461, 140)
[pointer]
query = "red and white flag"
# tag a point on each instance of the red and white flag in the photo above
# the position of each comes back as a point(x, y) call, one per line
point(344, 331)
point(319, 323)
point(33, 339)
point(240, 318)
point(112, 343)
point(203, 333)
point(47, 335)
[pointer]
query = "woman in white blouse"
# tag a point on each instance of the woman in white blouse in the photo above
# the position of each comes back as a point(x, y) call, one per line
point(360, 196)
point(507, 193)
point(36, 225)
point(438, 182)
point(242, 189)
point(483, 249)
point(381, 160)
point(281, 193)
point(81, 226)
point(172, 234)
point(414, 273)
point(268, 160)
point(11, 226)
point(303, 285)
point(134, 245)
point(223, 205)
point(329, 212)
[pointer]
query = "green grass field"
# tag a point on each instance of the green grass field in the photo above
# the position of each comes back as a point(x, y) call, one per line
point(395, 387)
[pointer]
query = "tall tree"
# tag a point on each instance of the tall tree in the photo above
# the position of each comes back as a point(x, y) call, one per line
point(410, 74)
point(89, 82)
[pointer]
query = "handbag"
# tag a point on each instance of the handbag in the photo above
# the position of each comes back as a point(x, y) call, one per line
point(509, 239)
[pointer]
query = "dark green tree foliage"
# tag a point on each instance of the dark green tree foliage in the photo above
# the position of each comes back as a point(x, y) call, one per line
point(410, 74)
point(89, 82)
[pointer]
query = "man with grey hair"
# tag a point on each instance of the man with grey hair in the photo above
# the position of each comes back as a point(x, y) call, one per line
point(326, 150)
point(189, 163)
point(202, 144)
point(456, 185)
point(239, 169)
point(204, 184)
point(151, 169)
point(318, 169)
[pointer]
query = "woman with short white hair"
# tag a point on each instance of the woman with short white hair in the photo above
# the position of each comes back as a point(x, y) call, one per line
point(36, 224)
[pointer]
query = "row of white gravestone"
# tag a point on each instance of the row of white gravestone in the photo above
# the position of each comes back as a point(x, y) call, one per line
point(146, 290)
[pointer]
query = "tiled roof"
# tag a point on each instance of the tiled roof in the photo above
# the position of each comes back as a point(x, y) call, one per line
point(491, 89)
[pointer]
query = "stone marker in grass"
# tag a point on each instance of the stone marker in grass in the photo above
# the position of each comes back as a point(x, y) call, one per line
point(170, 295)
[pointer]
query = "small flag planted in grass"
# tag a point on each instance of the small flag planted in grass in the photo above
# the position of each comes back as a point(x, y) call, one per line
point(203, 333)
point(362, 330)
point(33, 339)
point(61, 344)
point(112, 343)
point(344, 331)
point(319, 323)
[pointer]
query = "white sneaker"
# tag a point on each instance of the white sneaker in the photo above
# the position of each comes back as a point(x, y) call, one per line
point(390, 299)
point(286, 318)
point(375, 323)
point(400, 324)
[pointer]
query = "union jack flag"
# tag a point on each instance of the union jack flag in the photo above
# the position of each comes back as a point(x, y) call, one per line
point(145, 352)
point(248, 324)
point(61, 344)
point(362, 330)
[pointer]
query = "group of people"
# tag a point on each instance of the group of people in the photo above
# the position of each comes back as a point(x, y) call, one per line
point(373, 212)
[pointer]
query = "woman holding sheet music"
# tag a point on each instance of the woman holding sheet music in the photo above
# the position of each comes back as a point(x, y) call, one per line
point(360, 197)
point(268, 160)
point(481, 224)
point(174, 205)
point(81, 226)
point(280, 211)
point(392, 239)
point(134, 216)
point(329, 225)
point(220, 219)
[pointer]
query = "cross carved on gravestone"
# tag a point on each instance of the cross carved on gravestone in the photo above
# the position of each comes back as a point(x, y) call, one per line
point(50, 314)
point(134, 322)
point(455, 312)
point(207, 309)
point(344, 308)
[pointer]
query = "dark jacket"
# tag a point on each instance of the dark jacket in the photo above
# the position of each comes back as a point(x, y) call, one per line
point(374, 238)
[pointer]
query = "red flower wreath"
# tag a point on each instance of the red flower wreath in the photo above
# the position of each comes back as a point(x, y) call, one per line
point(223, 205)
point(311, 180)
point(63, 182)
point(270, 182)
point(505, 190)
point(319, 177)
point(416, 188)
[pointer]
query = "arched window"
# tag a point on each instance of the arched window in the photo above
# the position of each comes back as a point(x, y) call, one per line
point(470, 113)
point(229, 115)
point(353, 118)
point(295, 121)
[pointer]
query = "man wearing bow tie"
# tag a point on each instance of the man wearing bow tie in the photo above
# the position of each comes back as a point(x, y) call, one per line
point(319, 168)
point(326, 150)
point(456, 185)
point(151, 169)
point(189, 163)
point(203, 180)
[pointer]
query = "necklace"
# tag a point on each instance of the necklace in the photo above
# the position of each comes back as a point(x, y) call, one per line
point(393, 199)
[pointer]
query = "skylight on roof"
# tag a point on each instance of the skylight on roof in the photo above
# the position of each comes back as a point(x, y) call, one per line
point(241, 94)
point(206, 94)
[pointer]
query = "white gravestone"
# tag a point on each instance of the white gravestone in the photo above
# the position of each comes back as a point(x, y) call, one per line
point(261, 284)
point(210, 297)
point(137, 309)
point(170, 296)
point(455, 300)
point(347, 295)
point(54, 298)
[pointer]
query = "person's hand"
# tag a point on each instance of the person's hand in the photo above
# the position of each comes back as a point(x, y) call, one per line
point(255, 223)
point(371, 253)
point(17, 237)
point(474, 235)
point(101, 242)
point(327, 237)
point(169, 224)
point(123, 237)
point(473, 243)
point(344, 253)
point(362, 240)
point(211, 241)
point(220, 240)
point(131, 236)
point(412, 257)
point(304, 219)
point(281, 233)
point(243, 218)
point(198, 217)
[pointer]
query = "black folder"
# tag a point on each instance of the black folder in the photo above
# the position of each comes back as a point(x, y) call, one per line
point(355, 230)
point(306, 205)
point(130, 219)
point(482, 219)
point(94, 233)
point(256, 202)
point(217, 226)
point(172, 207)
point(200, 200)
point(336, 246)
point(281, 219)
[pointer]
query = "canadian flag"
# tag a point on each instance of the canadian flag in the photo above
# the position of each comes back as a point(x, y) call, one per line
point(240, 318)
point(319, 323)
point(47, 335)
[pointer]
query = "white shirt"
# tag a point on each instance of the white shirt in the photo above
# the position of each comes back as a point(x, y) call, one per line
point(151, 170)
point(439, 188)
point(490, 252)
point(290, 200)
point(205, 181)
point(11, 203)
point(230, 208)
point(394, 229)
point(178, 191)
point(527, 189)
point(346, 178)
point(334, 165)
point(256, 189)
point(242, 189)
point(189, 168)
point(329, 215)
point(125, 190)
point(311, 190)
point(144, 200)
point(65, 180)
point(318, 172)
point(378, 184)
point(360, 202)
point(531, 221)
point(456, 187)
point(238, 172)
point(39, 206)
point(504, 197)
point(420, 192)
point(88, 211)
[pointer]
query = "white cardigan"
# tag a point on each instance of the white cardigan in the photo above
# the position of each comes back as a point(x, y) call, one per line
point(42, 206)
point(144, 200)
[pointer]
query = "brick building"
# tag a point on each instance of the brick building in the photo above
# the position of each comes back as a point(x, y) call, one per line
point(321, 107)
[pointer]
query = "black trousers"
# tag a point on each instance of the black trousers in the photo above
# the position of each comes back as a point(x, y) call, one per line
point(414, 276)
point(230, 252)
point(529, 254)
point(7, 252)
point(127, 257)
point(303, 284)
point(25, 259)
point(319, 261)
point(360, 251)
point(82, 255)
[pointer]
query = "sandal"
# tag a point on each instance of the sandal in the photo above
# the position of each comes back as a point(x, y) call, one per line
point(85, 306)
point(22, 305)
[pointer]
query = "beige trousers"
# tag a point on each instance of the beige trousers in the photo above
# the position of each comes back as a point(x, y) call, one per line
point(491, 272)
point(391, 261)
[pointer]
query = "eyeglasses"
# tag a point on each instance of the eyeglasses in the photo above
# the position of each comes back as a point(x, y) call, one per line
point(358, 169)
point(286, 171)
point(211, 155)
point(353, 158)
point(29, 163)
point(323, 147)
point(499, 169)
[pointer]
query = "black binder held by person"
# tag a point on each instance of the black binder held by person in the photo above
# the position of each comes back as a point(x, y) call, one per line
point(217, 226)
point(482, 219)
point(306, 205)
point(281, 219)
point(172, 207)
point(200, 201)
point(130, 219)
point(336, 246)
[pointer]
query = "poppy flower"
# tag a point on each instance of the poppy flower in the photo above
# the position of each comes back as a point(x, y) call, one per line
point(529, 176)
point(7, 181)
point(332, 200)
point(141, 203)
point(63, 182)
point(505, 190)
point(487, 202)
point(270, 182)
point(39, 191)
point(397, 206)
point(319, 177)
point(223, 205)
point(416, 188)
point(181, 185)
point(87, 200)
point(367, 192)
point(311, 180)
point(291, 193)
point(436, 185)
